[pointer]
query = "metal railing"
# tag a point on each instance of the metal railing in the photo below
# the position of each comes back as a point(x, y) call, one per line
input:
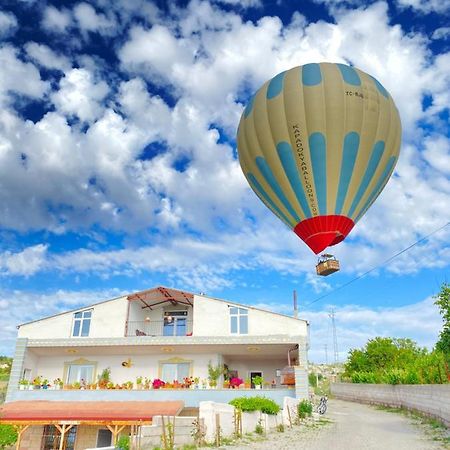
point(177, 327)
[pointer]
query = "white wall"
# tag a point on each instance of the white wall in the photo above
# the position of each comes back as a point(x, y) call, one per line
point(52, 367)
point(212, 318)
point(108, 320)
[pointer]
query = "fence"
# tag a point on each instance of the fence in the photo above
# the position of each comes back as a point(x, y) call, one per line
point(430, 399)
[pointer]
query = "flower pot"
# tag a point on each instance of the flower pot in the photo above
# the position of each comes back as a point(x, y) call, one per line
point(22, 387)
point(257, 386)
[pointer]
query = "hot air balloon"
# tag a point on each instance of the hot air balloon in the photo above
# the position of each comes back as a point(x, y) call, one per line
point(317, 144)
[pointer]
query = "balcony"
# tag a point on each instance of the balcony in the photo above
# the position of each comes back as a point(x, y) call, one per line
point(179, 326)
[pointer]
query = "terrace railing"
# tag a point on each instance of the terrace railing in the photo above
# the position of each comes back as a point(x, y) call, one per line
point(177, 327)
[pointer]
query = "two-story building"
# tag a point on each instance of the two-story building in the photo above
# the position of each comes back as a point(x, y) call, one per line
point(160, 334)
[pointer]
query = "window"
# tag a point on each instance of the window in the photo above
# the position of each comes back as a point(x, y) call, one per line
point(104, 438)
point(238, 320)
point(175, 323)
point(82, 323)
point(78, 372)
point(175, 371)
point(51, 438)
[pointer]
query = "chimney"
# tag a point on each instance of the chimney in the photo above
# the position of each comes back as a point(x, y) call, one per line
point(295, 305)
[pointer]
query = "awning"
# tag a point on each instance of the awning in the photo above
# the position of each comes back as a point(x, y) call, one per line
point(160, 295)
point(41, 411)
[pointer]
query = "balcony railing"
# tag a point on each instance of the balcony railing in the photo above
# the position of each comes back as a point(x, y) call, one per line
point(177, 327)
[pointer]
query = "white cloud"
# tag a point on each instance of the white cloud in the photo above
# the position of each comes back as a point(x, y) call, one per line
point(441, 33)
point(356, 324)
point(46, 57)
point(26, 262)
point(8, 24)
point(19, 77)
point(56, 20)
point(80, 95)
point(426, 6)
point(89, 20)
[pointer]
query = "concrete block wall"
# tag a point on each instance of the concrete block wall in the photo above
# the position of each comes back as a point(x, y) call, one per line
point(151, 434)
point(17, 367)
point(430, 399)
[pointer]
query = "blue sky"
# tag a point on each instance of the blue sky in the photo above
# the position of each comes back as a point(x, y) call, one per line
point(118, 167)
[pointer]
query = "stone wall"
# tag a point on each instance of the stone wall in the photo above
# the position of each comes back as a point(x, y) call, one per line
point(430, 399)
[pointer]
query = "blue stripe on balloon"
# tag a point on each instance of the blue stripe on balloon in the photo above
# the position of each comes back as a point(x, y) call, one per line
point(379, 186)
point(249, 107)
point(349, 75)
point(290, 167)
point(318, 152)
point(275, 85)
point(375, 157)
point(266, 172)
point(311, 74)
point(351, 145)
point(380, 87)
point(263, 194)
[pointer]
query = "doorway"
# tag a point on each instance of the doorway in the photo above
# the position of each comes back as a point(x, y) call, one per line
point(254, 374)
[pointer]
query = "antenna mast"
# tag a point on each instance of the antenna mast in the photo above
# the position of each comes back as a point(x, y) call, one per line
point(332, 315)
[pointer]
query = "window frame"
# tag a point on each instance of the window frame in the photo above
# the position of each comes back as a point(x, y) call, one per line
point(175, 360)
point(240, 313)
point(81, 321)
point(79, 362)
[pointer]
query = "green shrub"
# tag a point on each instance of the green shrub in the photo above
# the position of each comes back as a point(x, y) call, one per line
point(123, 443)
point(249, 404)
point(304, 409)
point(8, 436)
point(259, 428)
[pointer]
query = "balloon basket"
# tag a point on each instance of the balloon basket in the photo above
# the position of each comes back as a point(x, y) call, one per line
point(327, 265)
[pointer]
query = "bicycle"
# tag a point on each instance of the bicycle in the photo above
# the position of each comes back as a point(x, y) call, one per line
point(322, 406)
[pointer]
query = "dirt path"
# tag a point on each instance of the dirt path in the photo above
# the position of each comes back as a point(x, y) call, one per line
point(352, 427)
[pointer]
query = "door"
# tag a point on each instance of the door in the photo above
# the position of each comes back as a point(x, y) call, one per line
point(175, 323)
point(254, 374)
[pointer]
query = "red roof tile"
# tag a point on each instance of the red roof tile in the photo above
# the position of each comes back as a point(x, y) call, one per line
point(41, 410)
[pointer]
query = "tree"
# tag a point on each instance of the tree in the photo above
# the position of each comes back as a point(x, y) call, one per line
point(8, 435)
point(442, 301)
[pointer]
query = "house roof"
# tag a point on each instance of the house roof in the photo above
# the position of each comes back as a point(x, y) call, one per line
point(86, 412)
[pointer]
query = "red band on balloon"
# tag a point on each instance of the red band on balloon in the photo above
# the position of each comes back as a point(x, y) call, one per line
point(320, 232)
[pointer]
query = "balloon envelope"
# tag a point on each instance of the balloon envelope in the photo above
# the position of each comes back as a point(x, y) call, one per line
point(317, 144)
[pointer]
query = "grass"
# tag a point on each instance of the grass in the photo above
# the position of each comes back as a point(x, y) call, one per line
point(433, 427)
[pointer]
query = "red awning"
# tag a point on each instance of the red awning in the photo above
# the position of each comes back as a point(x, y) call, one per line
point(42, 410)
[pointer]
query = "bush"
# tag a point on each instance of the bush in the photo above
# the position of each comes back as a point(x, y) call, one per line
point(249, 404)
point(8, 436)
point(123, 443)
point(304, 409)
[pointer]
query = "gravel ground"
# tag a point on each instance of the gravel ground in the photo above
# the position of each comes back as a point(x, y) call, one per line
point(350, 426)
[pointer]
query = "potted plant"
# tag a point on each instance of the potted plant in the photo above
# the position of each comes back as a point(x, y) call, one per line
point(258, 381)
point(147, 383)
point(248, 383)
point(226, 384)
point(23, 384)
point(76, 385)
point(37, 381)
point(157, 383)
point(139, 383)
point(196, 383)
point(214, 373)
point(104, 378)
point(109, 385)
point(204, 384)
point(235, 382)
point(57, 383)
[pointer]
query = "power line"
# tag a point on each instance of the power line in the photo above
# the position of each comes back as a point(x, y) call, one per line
point(377, 267)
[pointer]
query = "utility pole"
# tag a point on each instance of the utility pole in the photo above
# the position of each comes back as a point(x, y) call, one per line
point(335, 344)
point(326, 353)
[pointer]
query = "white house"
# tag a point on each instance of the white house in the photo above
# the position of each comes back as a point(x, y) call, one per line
point(161, 333)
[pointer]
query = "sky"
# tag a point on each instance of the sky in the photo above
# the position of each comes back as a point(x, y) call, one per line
point(119, 170)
